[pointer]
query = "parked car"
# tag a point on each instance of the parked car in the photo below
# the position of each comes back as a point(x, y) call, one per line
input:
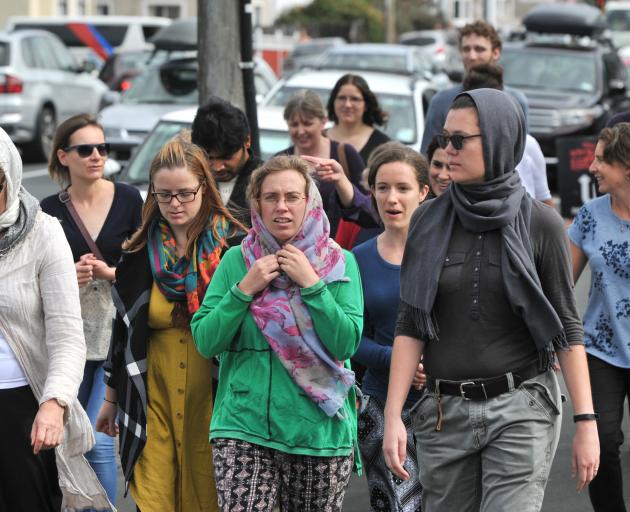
point(618, 18)
point(404, 97)
point(441, 46)
point(41, 84)
point(164, 87)
point(573, 78)
point(307, 53)
point(122, 66)
point(159, 89)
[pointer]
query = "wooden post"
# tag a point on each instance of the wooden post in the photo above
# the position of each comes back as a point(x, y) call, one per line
point(219, 51)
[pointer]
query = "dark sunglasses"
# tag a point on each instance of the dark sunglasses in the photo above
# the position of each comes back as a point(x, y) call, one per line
point(456, 140)
point(86, 150)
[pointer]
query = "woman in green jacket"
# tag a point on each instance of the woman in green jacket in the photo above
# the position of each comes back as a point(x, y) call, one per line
point(284, 313)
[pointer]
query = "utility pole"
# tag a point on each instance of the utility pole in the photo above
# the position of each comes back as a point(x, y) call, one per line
point(219, 51)
point(390, 21)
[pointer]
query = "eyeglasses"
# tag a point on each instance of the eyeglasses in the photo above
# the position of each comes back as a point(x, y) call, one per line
point(291, 199)
point(186, 196)
point(355, 100)
point(456, 140)
point(2, 183)
point(86, 150)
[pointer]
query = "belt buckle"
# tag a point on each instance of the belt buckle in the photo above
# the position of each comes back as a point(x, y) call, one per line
point(462, 391)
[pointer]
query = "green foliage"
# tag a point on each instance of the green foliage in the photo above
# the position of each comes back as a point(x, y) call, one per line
point(352, 19)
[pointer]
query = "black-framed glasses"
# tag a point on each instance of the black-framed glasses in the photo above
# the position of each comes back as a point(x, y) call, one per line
point(456, 140)
point(185, 196)
point(86, 150)
point(291, 199)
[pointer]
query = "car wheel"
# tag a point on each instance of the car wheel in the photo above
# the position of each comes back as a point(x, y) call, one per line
point(42, 144)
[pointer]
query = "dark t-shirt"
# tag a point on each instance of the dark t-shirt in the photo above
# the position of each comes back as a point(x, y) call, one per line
point(376, 139)
point(480, 335)
point(122, 220)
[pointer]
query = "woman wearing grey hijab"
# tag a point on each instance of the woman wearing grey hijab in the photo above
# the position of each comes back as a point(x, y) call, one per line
point(44, 431)
point(487, 301)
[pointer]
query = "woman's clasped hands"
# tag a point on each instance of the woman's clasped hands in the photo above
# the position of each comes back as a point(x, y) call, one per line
point(289, 260)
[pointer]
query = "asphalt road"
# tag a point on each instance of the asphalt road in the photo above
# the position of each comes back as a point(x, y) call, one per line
point(560, 495)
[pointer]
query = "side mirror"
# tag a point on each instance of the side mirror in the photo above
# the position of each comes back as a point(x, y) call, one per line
point(109, 98)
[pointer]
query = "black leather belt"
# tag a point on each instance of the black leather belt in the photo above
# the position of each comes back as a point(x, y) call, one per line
point(482, 389)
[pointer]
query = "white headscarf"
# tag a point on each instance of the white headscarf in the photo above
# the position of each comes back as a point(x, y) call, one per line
point(11, 164)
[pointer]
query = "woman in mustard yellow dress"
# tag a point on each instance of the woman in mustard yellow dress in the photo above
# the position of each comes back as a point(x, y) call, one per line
point(159, 389)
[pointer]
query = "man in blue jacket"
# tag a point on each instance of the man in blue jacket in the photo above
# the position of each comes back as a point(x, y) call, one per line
point(479, 43)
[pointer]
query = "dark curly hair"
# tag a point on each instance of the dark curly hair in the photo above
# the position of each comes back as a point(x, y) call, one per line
point(616, 144)
point(482, 29)
point(373, 113)
point(220, 128)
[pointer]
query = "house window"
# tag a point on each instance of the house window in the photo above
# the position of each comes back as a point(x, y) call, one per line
point(62, 7)
point(102, 9)
point(166, 11)
point(81, 7)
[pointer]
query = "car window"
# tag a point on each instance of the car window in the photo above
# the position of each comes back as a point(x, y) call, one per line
point(137, 172)
point(148, 87)
point(421, 40)
point(273, 141)
point(5, 50)
point(539, 69)
point(43, 53)
point(402, 113)
point(64, 57)
point(373, 61)
point(28, 52)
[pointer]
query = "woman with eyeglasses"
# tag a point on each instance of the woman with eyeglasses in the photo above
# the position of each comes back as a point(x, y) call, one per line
point(486, 299)
point(354, 109)
point(159, 389)
point(284, 313)
point(44, 431)
point(97, 216)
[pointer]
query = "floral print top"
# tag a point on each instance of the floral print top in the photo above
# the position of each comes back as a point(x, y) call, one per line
point(605, 239)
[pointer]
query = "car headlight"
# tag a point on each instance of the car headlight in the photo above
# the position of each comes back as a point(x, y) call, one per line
point(579, 117)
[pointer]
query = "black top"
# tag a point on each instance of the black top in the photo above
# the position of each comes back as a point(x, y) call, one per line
point(122, 220)
point(376, 139)
point(330, 200)
point(480, 335)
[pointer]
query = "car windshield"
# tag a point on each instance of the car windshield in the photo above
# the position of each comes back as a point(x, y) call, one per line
point(542, 69)
point(137, 172)
point(273, 141)
point(365, 61)
point(148, 87)
point(402, 113)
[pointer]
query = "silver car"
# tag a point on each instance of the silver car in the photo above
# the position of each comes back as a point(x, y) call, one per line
point(41, 85)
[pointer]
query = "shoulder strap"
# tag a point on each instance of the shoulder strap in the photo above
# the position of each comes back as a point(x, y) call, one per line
point(343, 159)
point(64, 197)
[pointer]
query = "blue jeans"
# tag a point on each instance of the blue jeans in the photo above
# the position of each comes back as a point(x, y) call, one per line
point(102, 457)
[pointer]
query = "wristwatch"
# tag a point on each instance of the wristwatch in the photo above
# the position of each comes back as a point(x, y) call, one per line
point(585, 417)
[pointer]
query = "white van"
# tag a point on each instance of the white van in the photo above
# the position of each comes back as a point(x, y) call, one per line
point(618, 18)
point(95, 38)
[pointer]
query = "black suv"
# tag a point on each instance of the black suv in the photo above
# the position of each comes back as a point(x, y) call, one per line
point(573, 78)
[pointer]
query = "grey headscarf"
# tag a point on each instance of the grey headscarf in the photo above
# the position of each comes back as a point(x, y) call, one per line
point(500, 202)
point(21, 207)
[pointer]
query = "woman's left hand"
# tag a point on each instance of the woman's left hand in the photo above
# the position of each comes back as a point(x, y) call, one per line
point(295, 264)
point(47, 430)
point(585, 457)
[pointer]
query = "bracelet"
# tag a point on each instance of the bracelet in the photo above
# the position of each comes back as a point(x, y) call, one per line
point(585, 417)
point(109, 401)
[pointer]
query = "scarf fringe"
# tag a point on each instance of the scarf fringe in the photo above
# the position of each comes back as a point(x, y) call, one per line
point(547, 356)
point(425, 324)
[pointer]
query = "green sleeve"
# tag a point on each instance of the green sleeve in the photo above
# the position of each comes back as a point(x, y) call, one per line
point(224, 307)
point(337, 311)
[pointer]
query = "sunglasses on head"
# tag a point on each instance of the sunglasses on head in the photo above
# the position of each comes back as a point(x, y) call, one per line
point(456, 140)
point(86, 150)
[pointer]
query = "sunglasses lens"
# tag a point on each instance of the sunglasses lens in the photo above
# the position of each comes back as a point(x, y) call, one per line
point(457, 141)
point(86, 150)
point(103, 149)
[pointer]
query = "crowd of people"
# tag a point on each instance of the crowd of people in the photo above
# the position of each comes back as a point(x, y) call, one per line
point(349, 305)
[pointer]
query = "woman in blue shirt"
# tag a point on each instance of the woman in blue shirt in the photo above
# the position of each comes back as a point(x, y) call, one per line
point(600, 235)
point(399, 181)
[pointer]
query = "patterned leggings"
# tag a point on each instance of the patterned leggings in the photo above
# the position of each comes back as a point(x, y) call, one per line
point(388, 493)
point(250, 477)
